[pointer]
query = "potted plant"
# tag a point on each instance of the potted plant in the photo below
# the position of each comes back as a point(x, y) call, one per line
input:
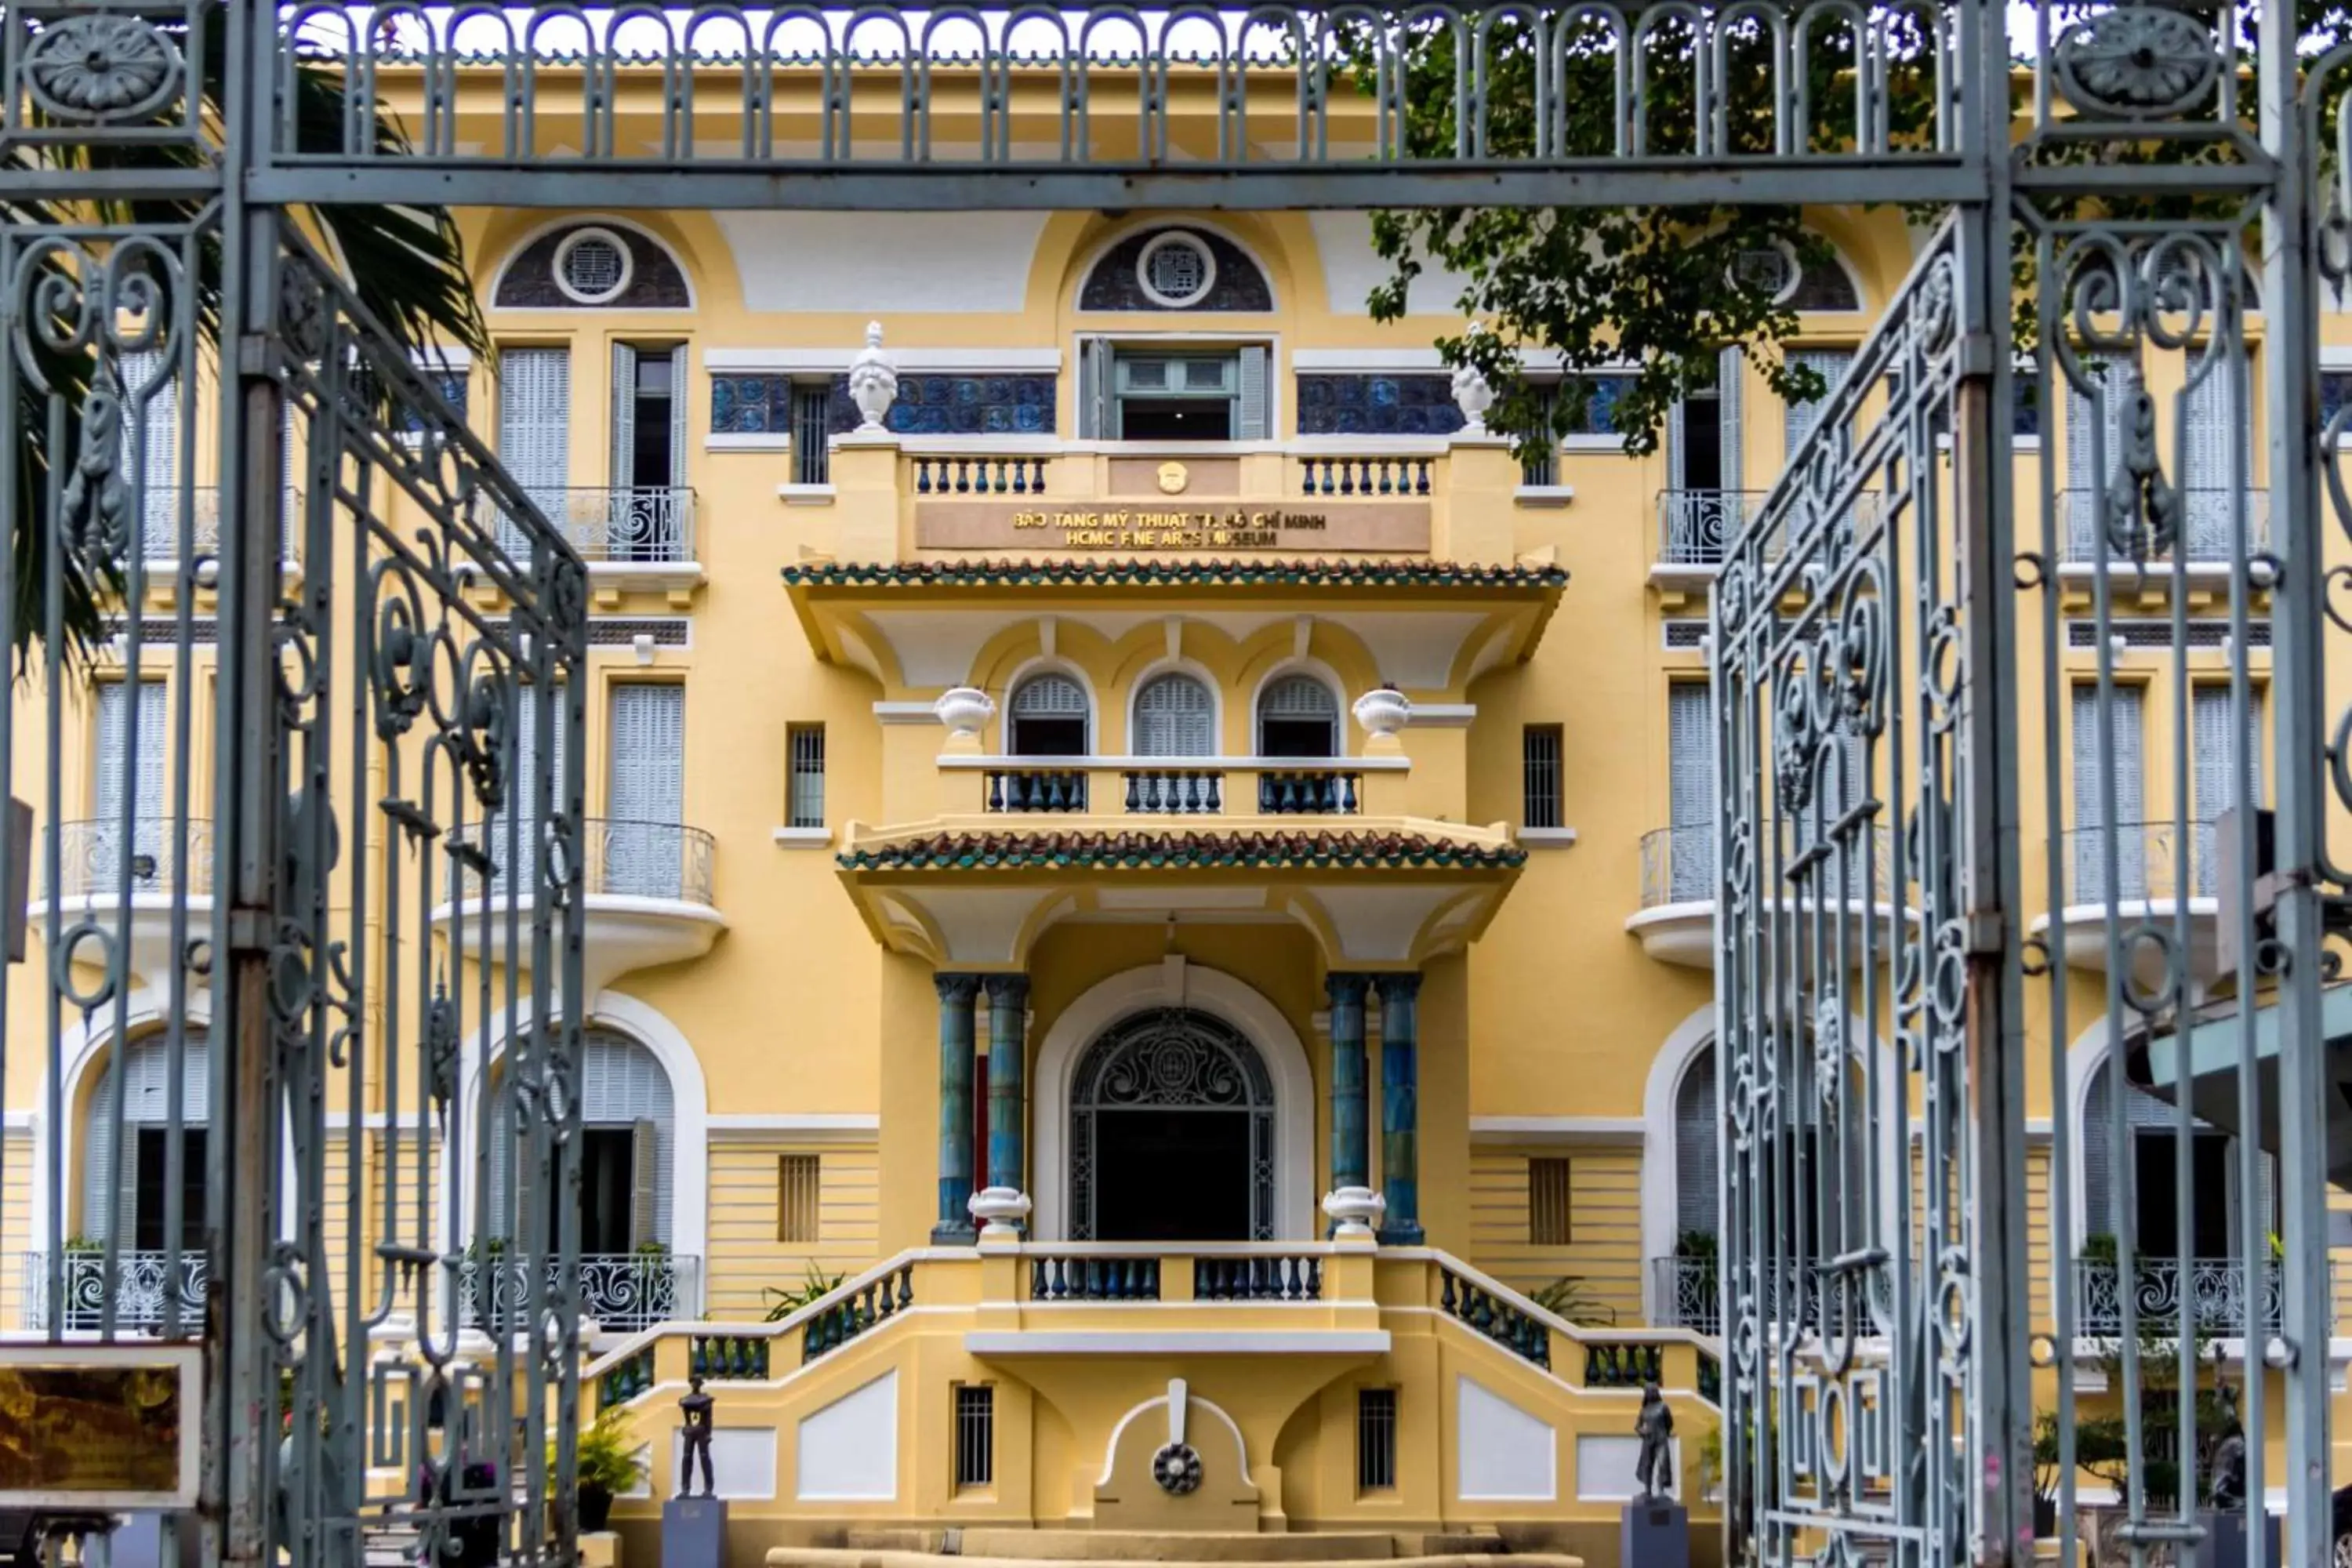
point(609, 1465)
point(814, 1286)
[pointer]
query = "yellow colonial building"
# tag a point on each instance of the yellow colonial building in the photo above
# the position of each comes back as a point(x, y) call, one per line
point(1149, 899)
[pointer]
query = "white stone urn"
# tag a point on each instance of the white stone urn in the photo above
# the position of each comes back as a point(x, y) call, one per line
point(1384, 712)
point(1474, 397)
point(874, 379)
point(1002, 1211)
point(1355, 1211)
point(963, 710)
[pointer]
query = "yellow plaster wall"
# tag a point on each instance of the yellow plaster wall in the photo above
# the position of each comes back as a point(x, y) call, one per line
point(1603, 1251)
point(746, 1257)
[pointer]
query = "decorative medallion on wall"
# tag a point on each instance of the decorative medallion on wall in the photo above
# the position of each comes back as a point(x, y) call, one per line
point(1175, 270)
point(593, 266)
point(1825, 285)
point(1173, 478)
point(750, 404)
point(1177, 1469)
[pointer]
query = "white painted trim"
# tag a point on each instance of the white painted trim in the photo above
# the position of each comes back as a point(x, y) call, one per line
point(19, 1122)
point(1593, 441)
point(804, 838)
point(1073, 765)
point(815, 361)
point(1043, 664)
point(1399, 360)
point(905, 713)
point(1192, 1401)
point(689, 1117)
point(79, 1047)
point(443, 357)
point(1322, 675)
point(1212, 991)
point(1595, 1131)
point(805, 495)
point(1544, 495)
point(793, 1122)
point(1547, 837)
point(590, 220)
point(1176, 1341)
point(1444, 715)
point(747, 441)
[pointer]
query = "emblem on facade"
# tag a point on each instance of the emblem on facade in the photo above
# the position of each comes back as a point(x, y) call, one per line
point(1177, 1469)
point(1173, 478)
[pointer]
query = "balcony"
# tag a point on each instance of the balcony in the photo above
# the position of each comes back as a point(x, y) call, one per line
point(618, 1291)
point(2145, 887)
point(1676, 919)
point(1695, 528)
point(2213, 1289)
point(1686, 1293)
point(127, 877)
point(1209, 790)
point(2202, 553)
point(143, 1283)
point(646, 899)
point(633, 538)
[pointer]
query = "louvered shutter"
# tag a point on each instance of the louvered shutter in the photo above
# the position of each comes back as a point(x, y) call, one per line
point(535, 424)
point(1677, 472)
point(676, 432)
point(2220, 743)
point(96, 1160)
point(151, 445)
point(624, 417)
point(1173, 719)
point(1302, 700)
point(1690, 789)
point(645, 1182)
point(147, 1075)
point(291, 519)
point(2083, 483)
point(2091, 816)
point(119, 771)
point(1831, 366)
point(646, 796)
point(522, 786)
point(1698, 1133)
point(1252, 405)
point(2210, 416)
point(1095, 390)
point(1731, 371)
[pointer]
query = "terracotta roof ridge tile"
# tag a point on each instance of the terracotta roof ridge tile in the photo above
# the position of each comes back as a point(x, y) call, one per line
point(1090, 570)
point(1131, 848)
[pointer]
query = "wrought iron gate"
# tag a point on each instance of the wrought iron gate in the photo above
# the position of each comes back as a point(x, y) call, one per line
point(386, 614)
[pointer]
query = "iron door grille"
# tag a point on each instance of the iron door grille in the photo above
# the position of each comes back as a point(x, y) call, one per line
point(1541, 748)
point(800, 1180)
point(1376, 1417)
point(1548, 1202)
point(812, 407)
point(975, 1435)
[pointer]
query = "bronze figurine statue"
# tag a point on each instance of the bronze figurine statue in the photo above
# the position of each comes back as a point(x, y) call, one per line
point(1656, 1424)
point(696, 1406)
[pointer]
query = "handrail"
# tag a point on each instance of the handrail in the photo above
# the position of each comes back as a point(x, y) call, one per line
point(620, 857)
point(90, 854)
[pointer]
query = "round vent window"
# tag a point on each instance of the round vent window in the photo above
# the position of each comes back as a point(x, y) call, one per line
point(1772, 268)
point(592, 266)
point(1176, 269)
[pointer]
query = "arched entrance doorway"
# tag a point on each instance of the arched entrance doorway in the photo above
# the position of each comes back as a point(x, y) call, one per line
point(1171, 1132)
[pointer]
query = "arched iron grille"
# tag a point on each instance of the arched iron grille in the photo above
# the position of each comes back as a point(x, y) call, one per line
point(1170, 1058)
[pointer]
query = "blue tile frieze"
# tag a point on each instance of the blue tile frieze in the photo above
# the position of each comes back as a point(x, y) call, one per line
point(758, 403)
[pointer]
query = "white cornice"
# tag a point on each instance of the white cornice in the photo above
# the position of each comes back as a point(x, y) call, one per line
point(906, 713)
point(795, 1126)
point(796, 361)
point(1587, 1131)
point(1444, 715)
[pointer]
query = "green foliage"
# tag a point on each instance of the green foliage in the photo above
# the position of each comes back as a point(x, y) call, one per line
point(608, 1456)
point(1699, 1244)
point(814, 1286)
point(2099, 1246)
point(1568, 1297)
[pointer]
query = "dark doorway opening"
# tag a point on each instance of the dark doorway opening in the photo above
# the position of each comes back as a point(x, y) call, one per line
point(607, 1158)
point(1172, 1175)
point(1175, 419)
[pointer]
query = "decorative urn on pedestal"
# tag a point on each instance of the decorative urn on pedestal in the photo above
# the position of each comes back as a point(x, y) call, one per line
point(963, 710)
point(1000, 1211)
point(873, 381)
point(1383, 713)
point(1356, 1212)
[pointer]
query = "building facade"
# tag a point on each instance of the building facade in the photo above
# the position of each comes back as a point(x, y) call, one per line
point(1149, 883)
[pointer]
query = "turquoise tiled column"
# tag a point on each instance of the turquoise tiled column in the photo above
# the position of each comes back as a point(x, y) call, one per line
point(954, 1225)
point(1351, 1130)
point(1400, 1108)
point(1008, 1113)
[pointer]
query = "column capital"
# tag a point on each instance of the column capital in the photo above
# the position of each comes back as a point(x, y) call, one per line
point(1007, 989)
point(954, 988)
point(1403, 985)
point(1345, 986)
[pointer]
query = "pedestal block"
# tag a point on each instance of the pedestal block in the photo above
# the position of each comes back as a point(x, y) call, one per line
point(1654, 1533)
point(2226, 1539)
point(694, 1532)
point(138, 1543)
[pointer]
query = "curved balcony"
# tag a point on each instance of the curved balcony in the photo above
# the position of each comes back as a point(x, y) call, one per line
point(2153, 877)
point(639, 537)
point(646, 899)
point(125, 878)
point(2204, 550)
point(626, 1290)
point(1676, 920)
point(142, 1286)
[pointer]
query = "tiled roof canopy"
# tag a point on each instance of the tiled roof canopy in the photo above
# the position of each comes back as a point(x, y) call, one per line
point(1114, 572)
point(1111, 851)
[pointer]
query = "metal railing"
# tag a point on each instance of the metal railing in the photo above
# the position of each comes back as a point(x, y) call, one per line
point(1310, 793)
point(2147, 861)
point(1050, 790)
point(91, 855)
point(944, 476)
point(142, 1283)
point(159, 530)
point(1300, 791)
point(616, 524)
point(1695, 527)
point(1175, 791)
point(619, 858)
point(2213, 1289)
point(1686, 1293)
point(2206, 528)
point(1364, 476)
point(1678, 864)
point(616, 1289)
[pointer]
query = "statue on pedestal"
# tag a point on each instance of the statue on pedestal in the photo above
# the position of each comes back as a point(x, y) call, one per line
point(1654, 1426)
point(2229, 1493)
point(696, 1405)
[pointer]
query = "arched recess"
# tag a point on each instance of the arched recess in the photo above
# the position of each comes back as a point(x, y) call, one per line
point(1113, 275)
point(83, 1048)
point(1143, 685)
point(1665, 1106)
point(2094, 1169)
point(690, 1208)
point(1276, 695)
point(657, 275)
point(1034, 689)
point(1209, 991)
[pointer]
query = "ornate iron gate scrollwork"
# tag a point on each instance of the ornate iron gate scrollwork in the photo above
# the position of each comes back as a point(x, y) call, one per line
point(1170, 1058)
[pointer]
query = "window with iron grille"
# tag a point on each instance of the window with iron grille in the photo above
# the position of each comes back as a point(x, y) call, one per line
point(806, 806)
point(1548, 1202)
point(1375, 1439)
point(812, 405)
point(1540, 749)
point(975, 1435)
point(1541, 467)
point(798, 1186)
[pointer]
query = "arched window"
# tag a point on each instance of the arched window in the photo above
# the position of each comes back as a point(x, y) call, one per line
point(2151, 1146)
point(628, 1149)
point(1048, 718)
point(1175, 716)
point(137, 1198)
point(1697, 1132)
point(1298, 717)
